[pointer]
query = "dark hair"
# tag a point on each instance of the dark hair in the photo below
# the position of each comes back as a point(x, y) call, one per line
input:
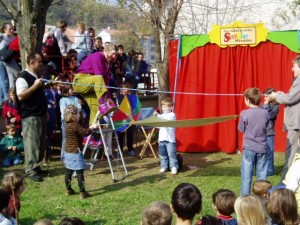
point(186, 201)
point(224, 200)
point(4, 196)
point(65, 89)
point(98, 38)
point(4, 26)
point(269, 90)
point(120, 47)
point(61, 24)
point(32, 56)
point(72, 221)
point(91, 30)
point(253, 95)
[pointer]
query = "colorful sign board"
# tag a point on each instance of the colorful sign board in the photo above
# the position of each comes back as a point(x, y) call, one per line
point(238, 34)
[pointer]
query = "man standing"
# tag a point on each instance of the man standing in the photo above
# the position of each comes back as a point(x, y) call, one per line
point(291, 101)
point(33, 107)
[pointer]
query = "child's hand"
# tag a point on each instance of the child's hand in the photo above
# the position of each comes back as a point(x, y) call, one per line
point(14, 148)
point(9, 147)
point(12, 120)
point(8, 114)
point(94, 126)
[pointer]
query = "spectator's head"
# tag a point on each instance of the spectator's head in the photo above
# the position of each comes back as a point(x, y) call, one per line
point(13, 181)
point(120, 49)
point(72, 221)
point(261, 188)
point(125, 88)
point(7, 29)
point(157, 213)
point(267, 92)
point(66, 90)
point(4, 196)
point(11, 130)
point(223, 201)
point(98, 43)
point(12, 94)
point(282, 207)
point(34, 62)
point(252, 96)
point(91, 32)
point(166, 105)
point(71, 114)
point(140, 56)
point(43, 222)
point(62, 25)
point(81, 27)
point(250, 210)
point(186, 201)
point(296, 66)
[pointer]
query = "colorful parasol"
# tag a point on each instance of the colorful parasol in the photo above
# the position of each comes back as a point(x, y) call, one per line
point(127, 112)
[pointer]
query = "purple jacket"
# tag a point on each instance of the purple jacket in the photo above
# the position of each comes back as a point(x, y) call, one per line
point(253, 123)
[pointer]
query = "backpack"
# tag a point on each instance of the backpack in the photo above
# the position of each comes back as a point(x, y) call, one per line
point(6, 54)
point(50, 45)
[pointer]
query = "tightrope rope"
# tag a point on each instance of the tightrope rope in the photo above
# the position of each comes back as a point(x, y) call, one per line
point(151, 91)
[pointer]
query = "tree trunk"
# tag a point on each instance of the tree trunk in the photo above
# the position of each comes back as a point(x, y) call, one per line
point(30, 19)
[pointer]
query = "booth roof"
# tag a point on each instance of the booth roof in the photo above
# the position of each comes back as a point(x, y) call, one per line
point(290, 39)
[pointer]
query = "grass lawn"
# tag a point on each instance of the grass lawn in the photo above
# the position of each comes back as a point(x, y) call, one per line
point(123, 202)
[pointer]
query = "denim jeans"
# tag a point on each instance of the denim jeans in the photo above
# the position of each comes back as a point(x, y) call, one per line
point(270, 144)
point(250, 161)
point(63, 140)
point(9, 161)
point(3, 84)
point(167, 154)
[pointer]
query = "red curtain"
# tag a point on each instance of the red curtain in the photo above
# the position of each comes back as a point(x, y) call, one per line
point(221, 71)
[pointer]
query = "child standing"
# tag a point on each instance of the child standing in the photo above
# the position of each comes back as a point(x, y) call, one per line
point(253, 123)
point(125, 91)
point(10, 111)
point(12, 145)
point(167, 141)
point(272, 107)
point(67, 99)
point(14, 182)
point(73, 158)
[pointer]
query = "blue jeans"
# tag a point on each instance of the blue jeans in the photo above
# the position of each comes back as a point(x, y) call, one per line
point(63, 140)
point(12, 160)
point(270, 144)
point(167, 154)
point(250, 161)
point(3, 84)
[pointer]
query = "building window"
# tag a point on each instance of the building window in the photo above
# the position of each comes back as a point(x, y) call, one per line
point(152, 49)
point(152, 42)
point(152, 57)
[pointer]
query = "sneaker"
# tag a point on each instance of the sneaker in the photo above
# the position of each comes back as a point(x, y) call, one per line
point(107, 107)
point(174, 171)
point(131, 153)
point(162, 170)
point(84, 195)
point(70, 192)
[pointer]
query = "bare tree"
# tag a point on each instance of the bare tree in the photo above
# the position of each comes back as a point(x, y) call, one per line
point(30, 18)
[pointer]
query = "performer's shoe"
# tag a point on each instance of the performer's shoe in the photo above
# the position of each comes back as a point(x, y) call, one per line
point(84, 195)
point(106, 107)
point(131, 152)
point(70, 192)
point(36, 178)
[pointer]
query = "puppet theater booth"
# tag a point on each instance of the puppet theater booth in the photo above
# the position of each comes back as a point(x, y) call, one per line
point(214, 70)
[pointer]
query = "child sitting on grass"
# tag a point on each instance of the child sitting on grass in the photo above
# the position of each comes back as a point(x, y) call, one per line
point(261, 189)
point(5, 219)
point(186, 202)
point(13, 183)
point(12, 146)
point(157, 213)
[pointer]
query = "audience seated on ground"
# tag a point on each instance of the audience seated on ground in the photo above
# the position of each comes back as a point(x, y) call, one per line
point(261, 189)
point(72, 221)
point(250, 211)
point(157, 213)
point(186, 202)
point(282, 207)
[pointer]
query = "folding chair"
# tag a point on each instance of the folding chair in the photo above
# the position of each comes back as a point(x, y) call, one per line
point(145, 113)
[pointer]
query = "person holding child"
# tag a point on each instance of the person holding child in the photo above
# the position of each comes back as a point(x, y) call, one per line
point(253, 123)
point(166, 139)
point(12, 145)
point(73, 157)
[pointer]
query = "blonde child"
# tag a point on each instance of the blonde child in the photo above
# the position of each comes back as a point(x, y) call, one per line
point(250, 211)
point(73, 157)
point(13, 183)
point(166, 139)
point(157, 213)
point(261, 189)
point(282, 207)
point(12, 145)
point(43, 222)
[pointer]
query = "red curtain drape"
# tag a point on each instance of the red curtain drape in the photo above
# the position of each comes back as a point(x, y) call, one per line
point(221, 71)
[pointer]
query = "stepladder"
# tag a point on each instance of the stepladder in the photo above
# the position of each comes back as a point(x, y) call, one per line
point(106, 132)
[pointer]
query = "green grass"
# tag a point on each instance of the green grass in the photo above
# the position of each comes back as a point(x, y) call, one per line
point(123, 202)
